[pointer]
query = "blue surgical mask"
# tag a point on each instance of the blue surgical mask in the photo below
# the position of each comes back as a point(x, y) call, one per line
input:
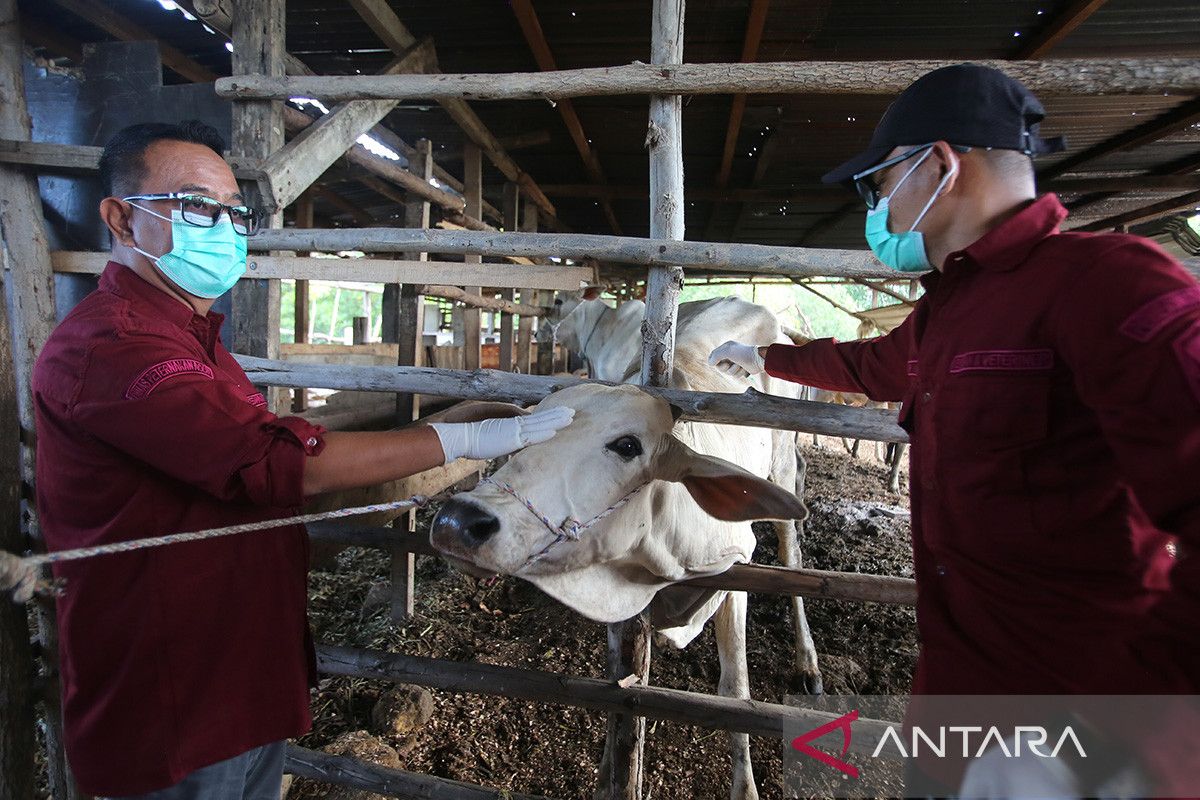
point(205, 262)
point(904, 252)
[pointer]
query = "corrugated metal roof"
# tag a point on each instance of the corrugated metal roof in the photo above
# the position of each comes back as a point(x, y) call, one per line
point(811, 133)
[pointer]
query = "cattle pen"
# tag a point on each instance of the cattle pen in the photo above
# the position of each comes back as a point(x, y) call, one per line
point(304, 169)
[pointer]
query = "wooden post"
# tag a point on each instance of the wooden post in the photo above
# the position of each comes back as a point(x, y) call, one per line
point(17, 745)
point(410, 326)
point(473, 192)
point(359, 332)
point(629, 641)
point(528, 223)
point(258, 37)
point(512, 199)
point(30, 286)
point(304, 219)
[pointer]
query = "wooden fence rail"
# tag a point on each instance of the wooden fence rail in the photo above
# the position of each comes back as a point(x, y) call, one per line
point(1066, 76)
point(752, 408)
point(756, 578)
point(347, 771)
point(754, 717)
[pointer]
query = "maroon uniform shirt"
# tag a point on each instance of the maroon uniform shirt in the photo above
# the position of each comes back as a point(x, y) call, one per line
point(1051, 388)
point(174, 657)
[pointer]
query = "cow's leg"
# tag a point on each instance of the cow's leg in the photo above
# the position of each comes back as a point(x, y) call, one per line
point(730, 620)
point(897, 460)
point(788, 471)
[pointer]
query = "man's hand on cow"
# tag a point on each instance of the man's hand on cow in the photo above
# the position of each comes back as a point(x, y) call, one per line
point(737, 359)
point(492, 438)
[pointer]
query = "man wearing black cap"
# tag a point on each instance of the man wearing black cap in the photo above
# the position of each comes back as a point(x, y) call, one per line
point(1051, 389)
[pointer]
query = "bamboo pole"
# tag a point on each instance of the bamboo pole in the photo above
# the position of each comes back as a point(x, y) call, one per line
point(1066, 76)
point(751, 408)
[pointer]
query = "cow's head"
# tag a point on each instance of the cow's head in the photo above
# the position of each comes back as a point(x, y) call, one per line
point(618, 453)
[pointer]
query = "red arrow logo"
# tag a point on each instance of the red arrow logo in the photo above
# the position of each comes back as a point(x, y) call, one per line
point(801, 743)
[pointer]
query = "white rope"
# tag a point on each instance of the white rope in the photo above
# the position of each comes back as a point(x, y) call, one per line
point(21, 574)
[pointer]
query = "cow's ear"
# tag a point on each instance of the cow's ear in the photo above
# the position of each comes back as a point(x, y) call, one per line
point(725, 490)
point(474, 412)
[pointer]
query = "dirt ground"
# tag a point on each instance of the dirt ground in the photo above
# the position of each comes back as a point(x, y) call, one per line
point(551, 750)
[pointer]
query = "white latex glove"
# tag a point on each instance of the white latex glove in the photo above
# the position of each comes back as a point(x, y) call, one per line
point(492, 438)
point(18, 576)
point(737, 359)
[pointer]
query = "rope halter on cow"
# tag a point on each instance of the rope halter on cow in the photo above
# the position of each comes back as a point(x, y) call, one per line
point(570, 528)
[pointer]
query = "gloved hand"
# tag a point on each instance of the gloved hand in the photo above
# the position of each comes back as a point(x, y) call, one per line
point(492, 438)
point(737, 359)
point(17, 575)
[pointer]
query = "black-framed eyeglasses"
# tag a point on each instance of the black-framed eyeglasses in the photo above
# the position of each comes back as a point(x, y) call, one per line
point(868, 189)
point(204, 212)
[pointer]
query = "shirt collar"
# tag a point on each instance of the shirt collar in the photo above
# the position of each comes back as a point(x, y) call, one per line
point(124, 282)
point(1008, 245)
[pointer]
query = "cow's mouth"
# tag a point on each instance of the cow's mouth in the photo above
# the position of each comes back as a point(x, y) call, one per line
point(469, 567)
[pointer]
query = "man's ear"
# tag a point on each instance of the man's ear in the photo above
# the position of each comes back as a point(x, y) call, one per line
point(725, 490)
point(115, 214)
point(949, 160)
point(474, 412)
point(592, 292)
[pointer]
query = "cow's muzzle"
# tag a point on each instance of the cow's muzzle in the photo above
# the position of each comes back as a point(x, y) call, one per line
point(461, 523)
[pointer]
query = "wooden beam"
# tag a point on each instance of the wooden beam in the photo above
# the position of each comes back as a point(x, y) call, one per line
point(754, 29)
point(473, 191)
point(258, 131)
point(762, 166)
point(1057, 77)
point(372, 270)
point(217, 15)
point(30, 294)
point(361, 215)
point(52, 156)
point(520, 141)
point(754, 717)
point(751, 408)
point(755, 259)
point(35, 32)
point(511, 205)
point(376, 780)
point(507, 307)
point(856, 314)
point(300, 304)
point(117, 26)
point(387, 190)
point(879, 287)
point(380, 17)
point(535, 37)
point(1057, 28)
point(293, 168)
point(754, 578)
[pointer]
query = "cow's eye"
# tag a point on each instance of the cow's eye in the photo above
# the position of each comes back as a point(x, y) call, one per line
point(627, 447)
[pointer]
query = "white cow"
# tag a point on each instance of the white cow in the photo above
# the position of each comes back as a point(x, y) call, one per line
point(624, 503)
point(611, 341)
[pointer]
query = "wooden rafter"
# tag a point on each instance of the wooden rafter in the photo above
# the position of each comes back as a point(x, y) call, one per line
point(117, 26)
point(1162, 207)
point(1057, 28)
point(754, 30)
point(361, 215)
point(380, 17)
point(535, 37)
point(1178, 118)
point(765, 156)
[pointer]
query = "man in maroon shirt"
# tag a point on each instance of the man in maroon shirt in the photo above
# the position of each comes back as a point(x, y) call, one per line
point(184, 667)
point(1051, 389)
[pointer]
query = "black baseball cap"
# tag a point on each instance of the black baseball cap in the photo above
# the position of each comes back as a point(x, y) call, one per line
point(965, 104)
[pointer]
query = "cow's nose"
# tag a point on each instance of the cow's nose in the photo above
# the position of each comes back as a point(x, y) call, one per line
point(466, 522)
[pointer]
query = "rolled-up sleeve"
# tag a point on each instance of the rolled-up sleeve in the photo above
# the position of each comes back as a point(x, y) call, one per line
point(192, 424)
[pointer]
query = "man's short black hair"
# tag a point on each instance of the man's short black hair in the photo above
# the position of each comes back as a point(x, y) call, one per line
point(123, 163)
